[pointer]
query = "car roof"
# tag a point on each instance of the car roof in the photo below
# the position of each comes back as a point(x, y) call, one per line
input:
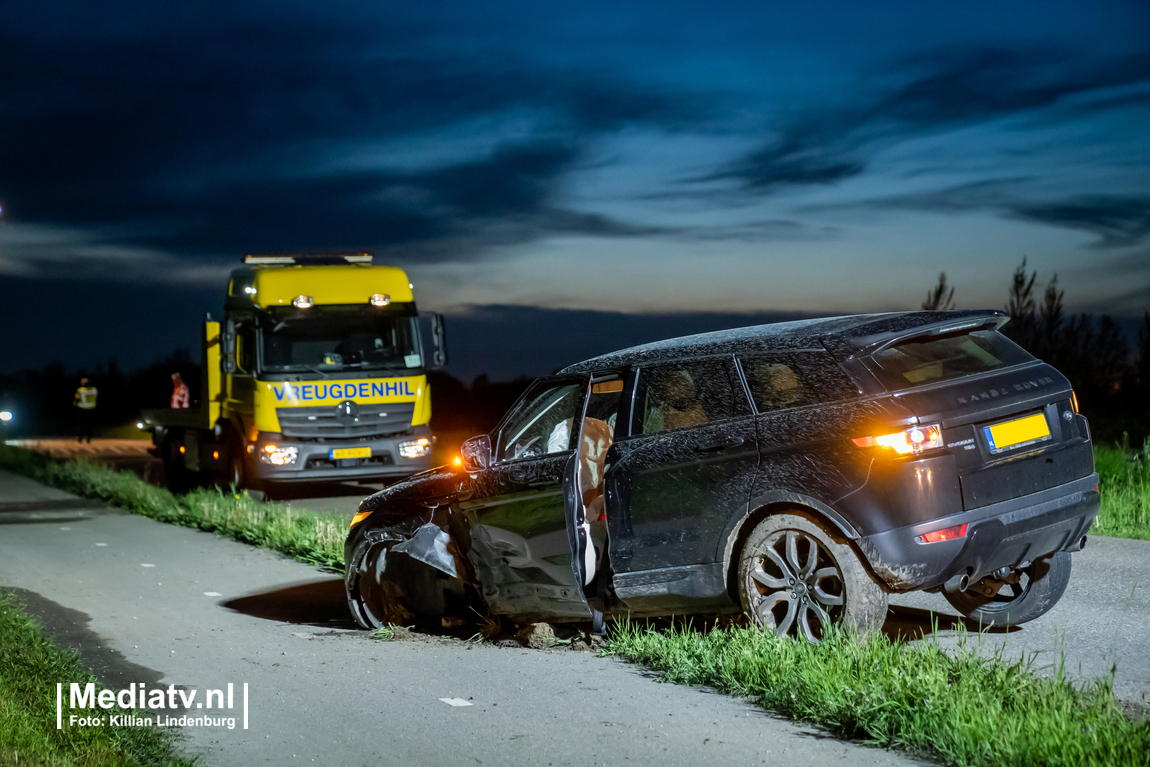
point(840, 335)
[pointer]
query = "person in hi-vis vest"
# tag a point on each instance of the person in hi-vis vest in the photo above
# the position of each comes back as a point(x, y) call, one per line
point(85, 404)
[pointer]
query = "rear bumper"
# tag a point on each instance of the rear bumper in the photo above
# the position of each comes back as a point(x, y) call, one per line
point(999, 535)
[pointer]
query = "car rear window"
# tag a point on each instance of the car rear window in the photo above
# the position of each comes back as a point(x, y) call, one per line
point(941, 358)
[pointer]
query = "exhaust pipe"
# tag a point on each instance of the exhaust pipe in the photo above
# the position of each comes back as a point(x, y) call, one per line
point(957, 583)
point(1078, 545)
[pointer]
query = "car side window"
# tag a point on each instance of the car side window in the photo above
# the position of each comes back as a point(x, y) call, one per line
point(682, 396)
point(542, 425)
point(776, 383)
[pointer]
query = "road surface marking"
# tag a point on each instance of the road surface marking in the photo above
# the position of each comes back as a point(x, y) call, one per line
point(101, 544)
point(145, 564)
point(456, 702)
point(212, 594)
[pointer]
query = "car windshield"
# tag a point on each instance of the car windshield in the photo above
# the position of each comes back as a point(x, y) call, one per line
point(927, 360)
point(330, 339)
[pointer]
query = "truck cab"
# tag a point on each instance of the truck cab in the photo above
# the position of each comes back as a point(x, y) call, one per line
point(317, 373)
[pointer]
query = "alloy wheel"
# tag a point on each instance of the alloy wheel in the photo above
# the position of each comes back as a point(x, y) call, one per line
point(795, 586)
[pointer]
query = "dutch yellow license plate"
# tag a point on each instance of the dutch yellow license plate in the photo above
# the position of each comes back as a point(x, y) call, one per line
point(349, 452)
point(1017, 433)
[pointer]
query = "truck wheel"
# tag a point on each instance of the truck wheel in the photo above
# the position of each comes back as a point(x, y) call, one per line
point(176, 475)
point(239, 472)
point(796, 581)
point(1038, 589)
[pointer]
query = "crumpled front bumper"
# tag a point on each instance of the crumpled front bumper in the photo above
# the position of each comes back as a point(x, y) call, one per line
point(1005, 534)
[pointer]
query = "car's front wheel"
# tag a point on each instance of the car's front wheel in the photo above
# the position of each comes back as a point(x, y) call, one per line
point(1037, 589)
point(795, 580)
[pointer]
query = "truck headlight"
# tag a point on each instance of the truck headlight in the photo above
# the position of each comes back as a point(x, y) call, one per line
point(279, 456)
point(416, 448)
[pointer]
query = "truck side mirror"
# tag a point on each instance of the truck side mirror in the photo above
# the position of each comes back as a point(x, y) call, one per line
point(476, 453)
point(439, 347)
point(230, 347)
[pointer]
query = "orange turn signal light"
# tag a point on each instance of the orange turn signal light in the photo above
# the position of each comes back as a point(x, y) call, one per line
point(945, 534)
point(913, 440)
point(457, 461)
point(1074, 402)
point(359, 517)
point(183, 449)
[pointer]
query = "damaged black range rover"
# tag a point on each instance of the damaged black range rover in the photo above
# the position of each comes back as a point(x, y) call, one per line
point(798, 472)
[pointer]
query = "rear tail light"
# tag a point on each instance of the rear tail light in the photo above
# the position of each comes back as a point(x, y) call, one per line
point(914, 440)
point(945, 534)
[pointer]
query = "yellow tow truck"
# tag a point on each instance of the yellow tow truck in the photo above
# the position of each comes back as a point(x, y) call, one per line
point(317, 373)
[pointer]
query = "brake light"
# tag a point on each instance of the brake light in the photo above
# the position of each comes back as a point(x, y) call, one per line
point(914, 440)
point(945, 534)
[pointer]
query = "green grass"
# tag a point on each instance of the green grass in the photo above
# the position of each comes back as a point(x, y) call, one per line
point(314, 539)
point(1124, 478)
point(959, 708)
point(30, 667)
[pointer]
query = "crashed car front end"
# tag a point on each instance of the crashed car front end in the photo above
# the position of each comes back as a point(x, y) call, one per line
point(399, 543)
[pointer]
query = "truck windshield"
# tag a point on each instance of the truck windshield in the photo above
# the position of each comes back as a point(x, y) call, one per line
point(927, 360)
point(328, 340)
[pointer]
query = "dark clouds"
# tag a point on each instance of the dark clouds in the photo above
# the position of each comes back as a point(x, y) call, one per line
point(205, 129)
point(945, 90)
point(1117, 221)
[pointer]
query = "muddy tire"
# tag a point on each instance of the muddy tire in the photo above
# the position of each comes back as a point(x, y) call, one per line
point(396, 589)
point(1041, 586)
point(795, 580)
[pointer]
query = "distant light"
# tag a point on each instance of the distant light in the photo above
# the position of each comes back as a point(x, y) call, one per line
point(139, 424)
point(302, 302)
point(183, 449)
point(5, 416)
point(249, 289)
point(380, 299)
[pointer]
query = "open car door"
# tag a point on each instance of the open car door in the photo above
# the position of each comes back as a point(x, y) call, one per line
point(519, 539)
point(583, 488)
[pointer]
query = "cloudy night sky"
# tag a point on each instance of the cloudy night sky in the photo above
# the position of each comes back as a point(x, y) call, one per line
point(565, 179)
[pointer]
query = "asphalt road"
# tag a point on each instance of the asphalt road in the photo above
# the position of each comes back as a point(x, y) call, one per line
point(157, 604)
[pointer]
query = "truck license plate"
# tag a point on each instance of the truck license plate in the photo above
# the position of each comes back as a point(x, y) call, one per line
point(1016, 433)
point(349, 452)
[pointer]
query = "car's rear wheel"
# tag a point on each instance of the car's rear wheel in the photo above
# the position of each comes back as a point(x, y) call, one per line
point(1039, 587)
point(795, 580)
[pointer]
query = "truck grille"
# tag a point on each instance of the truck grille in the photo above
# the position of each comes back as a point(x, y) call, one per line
point(330, 422)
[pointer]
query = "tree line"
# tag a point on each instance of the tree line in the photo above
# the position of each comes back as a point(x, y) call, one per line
point(1111, 379)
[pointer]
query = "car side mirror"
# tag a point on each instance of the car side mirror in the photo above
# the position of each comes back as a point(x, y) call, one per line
point(230, 347)
point(476, 453)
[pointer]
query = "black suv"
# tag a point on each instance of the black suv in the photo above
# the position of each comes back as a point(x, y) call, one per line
point(798, 472)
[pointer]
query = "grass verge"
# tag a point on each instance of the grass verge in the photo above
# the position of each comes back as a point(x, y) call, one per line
point(30, 667)
point(1125, 482)
point(314, 539)
point(959, 708)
